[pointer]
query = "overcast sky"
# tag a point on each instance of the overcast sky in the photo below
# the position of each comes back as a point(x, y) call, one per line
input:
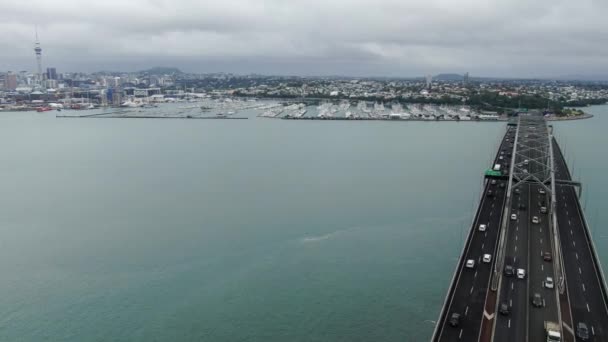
point(520, 38)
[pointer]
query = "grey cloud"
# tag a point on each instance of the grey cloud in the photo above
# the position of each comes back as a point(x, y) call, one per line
point(380, 37)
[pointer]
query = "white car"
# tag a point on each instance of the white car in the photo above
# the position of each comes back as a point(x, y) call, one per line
point(549, 283)
point(513, 217)
point(487, 258)
point(470, 263)
point(541, 191)
point(535, 220)
point(482, 227)
point(521, 273)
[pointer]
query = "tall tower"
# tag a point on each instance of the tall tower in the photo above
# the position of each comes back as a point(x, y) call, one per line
point(429, 81)
point(38, 51)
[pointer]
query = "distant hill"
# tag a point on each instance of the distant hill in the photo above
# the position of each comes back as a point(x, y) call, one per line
point(161, 71)
point(448, 77)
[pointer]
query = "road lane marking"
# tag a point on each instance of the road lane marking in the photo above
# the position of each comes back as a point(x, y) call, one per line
point(571, 233)
point(475, 275)
point(573, 243)
point(514, 259)
point(576, 254)
point(471, 289)
point(483, 244)
point(541, 241)
point(515, 248)
point(515, 237)
point(466, 311)
point(511, 285)
point(541, 229)
point(485, 234)
point(583, 285)
point(592, 330)
point(509, 323)
point(569, 223)
point(589, 310)
point(460, 335)
point(542, 267)
point(580, 271)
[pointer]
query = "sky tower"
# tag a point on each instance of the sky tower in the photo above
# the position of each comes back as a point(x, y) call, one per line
point(38, 51)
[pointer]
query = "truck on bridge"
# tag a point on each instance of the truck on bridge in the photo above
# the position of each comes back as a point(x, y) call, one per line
point(553, 331)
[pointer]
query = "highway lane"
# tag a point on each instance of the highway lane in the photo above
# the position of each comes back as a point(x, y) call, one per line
point(513, 291)
point(540, 242)
point(468, 298)
point(582, 277)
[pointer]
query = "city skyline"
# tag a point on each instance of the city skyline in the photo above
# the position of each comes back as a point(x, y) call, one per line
point(350, 38)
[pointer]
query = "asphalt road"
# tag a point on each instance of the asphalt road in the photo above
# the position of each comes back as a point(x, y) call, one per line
point(582, 278)
point(468, 296)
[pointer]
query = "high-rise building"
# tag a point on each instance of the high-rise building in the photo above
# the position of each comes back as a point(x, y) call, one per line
point(465, 79)
point(10, 81)
point(429, 81)
point(51, 73)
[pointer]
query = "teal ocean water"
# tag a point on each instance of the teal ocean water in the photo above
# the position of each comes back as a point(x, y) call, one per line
point(244, 230)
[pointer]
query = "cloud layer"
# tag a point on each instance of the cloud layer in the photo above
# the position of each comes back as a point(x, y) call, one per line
point(312, 37)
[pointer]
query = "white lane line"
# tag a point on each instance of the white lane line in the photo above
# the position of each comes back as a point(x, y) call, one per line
point(509, 323)
point(573, 243)
point(471, 290)
point(588, 310)
point(542, 267)
point(515, 248)
point(475, 275)
point(576, 254)
point(580, 271)
point(583, 285)
point(541, 241)
point(571, 233)
point(515, 237)
point(483, 244)
point(511, 286)
point(514, 259)
point(592, 330)
point(485, 234)
point(460, 335)
point(466, 311)
point(567, 213)
point(569, 223)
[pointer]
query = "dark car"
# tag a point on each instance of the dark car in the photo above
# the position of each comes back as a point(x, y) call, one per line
point(522, 206)
point(504, 309)
point(537, 300)
point(509, 271)
point(502, 185)
point(517, 191)
point(582, 332)
point(547, 256)
point(490, 193)
point(454, 319)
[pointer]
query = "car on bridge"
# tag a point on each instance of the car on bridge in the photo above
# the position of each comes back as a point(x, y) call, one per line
point(454, 319)
point(487, 258)
point(548, 283)
point(513, 217)
point(535, 220)
point(521, 273)
point(504, 309)
point(547, 256)
point(470, 263)
point(482, 227)
point(582, 332)
point(509, 270)
point(543, 210)
point(537, 300)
